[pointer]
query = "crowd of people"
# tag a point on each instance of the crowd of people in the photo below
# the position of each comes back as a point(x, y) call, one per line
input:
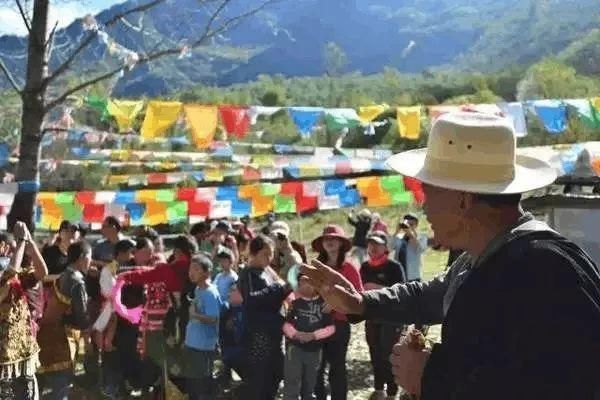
point(137, 314)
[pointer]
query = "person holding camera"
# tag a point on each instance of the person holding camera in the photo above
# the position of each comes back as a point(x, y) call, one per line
point(286, 257)
point(408, 247)
point(362, 224)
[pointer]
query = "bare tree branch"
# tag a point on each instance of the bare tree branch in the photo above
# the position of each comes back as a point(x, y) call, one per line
point(207, 34)
point(26, 20)
point(9, 77)
point(50, 42)
point(92, 35)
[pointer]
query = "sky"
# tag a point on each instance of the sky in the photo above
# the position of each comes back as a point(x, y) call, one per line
point(60, 10)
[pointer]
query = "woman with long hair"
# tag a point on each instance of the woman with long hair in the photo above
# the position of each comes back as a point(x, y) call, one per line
point(263, 294)
point(333, 247)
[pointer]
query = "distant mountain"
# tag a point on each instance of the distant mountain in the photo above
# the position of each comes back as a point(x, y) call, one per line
point(288, 38)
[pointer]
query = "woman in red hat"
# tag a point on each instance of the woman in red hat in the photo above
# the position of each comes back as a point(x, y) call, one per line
point(333, 247)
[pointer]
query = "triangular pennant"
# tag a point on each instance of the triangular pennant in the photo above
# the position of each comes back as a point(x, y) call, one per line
point(235, 120)
point(124, 112)
point(202, 121)
point(160, 116)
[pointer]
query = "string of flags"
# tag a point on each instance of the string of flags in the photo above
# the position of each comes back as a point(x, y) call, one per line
point(158, 206)
point(203, 120)
point(170, 206)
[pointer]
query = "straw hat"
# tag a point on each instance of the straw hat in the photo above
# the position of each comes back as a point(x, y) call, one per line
point(476, 153)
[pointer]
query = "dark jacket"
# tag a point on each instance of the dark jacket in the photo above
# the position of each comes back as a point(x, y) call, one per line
point(387, 274)
point(523, 322)
point(71, 284)
point(262, 302)
point(361, 229)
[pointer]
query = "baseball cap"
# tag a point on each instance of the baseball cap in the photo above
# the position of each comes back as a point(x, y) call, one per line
point(378, 237)
point(280, 227)
point(410, 217)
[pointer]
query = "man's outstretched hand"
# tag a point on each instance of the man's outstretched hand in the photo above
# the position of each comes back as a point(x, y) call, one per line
point(336, 290)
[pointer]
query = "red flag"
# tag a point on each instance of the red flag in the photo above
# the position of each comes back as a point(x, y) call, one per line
point(235, 120)
point(93, 212)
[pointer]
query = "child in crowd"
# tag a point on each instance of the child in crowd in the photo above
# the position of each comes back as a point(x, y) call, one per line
point(227, 277)
point(105, 327)
point(231, 336)
point(304, 329)
point(202, 331)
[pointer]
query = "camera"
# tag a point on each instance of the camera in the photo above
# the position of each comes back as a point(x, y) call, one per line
point(281, 236)
point(404, 225)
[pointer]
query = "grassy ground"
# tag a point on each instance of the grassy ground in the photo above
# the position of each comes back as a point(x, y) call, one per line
point(359, 368)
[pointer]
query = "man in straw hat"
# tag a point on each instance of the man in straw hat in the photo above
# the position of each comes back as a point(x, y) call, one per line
point(520, 308)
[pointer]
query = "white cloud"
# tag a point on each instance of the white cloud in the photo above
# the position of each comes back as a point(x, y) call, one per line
point(62, 11)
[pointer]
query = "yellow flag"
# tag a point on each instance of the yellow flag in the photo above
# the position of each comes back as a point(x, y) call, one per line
point(369, 113)
point(124, 112)
point(160, 115)
point(409, 121)
point(202, 121)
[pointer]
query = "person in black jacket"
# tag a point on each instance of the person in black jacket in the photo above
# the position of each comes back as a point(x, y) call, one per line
point(378, 272)
point(520, 307)
point(263, 293)
point(362, 224)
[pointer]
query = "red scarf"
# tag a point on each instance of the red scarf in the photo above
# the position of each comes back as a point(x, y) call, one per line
point(377, 262)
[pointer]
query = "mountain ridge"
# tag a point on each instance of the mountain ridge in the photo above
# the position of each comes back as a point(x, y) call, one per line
point(288, 39)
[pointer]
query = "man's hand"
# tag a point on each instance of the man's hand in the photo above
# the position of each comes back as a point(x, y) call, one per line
point(407, 367)
point(336, 290)
point(20, 231)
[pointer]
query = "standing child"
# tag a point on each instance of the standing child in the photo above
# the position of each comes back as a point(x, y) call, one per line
point(227, 277)
point(202, 331)
point(307, 325)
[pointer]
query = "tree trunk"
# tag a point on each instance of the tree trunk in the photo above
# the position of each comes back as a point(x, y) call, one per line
point(33, 98)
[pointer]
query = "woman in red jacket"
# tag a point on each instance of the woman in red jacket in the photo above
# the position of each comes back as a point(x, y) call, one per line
point(333, 247)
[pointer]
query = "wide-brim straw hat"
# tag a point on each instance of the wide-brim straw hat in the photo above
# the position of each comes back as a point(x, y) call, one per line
point(476, 153)
point(332, 231)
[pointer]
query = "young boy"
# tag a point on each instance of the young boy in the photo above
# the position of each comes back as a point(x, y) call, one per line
point(227, 277)
point(202, 331)
point(307, 325)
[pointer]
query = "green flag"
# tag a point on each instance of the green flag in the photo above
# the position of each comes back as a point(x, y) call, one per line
point(165, 195)
point(392, 183)
point(269, 189)
point(401, 197)
point(99, 104)
point(177, 211)
point(65, 198)
point(284, 204)
point(71, 211)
